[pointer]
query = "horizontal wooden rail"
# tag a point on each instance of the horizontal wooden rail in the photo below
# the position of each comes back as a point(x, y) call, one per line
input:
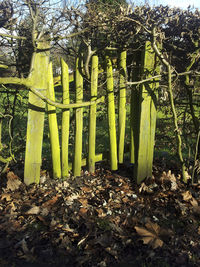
point(98, 157)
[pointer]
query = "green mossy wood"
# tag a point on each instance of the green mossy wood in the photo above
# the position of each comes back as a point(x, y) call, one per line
point(144, 117)
point(53, 127)
point(92, 122)
point(134, 109)
point(122, 106)
point(79, 120)
point(65, 120)
point(111, 115)
point(38, 79)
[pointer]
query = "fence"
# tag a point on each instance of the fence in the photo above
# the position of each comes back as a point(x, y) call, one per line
point(143, 114)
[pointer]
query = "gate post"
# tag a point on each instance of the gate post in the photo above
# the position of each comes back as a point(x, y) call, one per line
point(53, 127)
point(122, 106)
point(144, 116)
point(79, 120)
point(92, 123)
point(65, 120)
point(111, 115)
point(35, 126)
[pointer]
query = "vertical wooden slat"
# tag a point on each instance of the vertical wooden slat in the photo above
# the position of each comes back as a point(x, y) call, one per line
point(111, 115)
point(135, 108)
point(35, 126)
point(79, 121)
point(53, 127)
point(65, 120)
point(122, 106)
point(92, 123)
point(146, 131)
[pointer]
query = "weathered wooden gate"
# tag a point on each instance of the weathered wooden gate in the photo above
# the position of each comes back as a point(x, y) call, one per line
point(143, 115)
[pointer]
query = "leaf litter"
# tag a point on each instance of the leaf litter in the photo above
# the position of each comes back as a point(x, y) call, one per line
point(102, 219)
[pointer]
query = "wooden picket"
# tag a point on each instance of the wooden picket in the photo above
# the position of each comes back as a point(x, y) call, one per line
point(53, 127)
point(144, 117)
point(122, 106)
point(111, 115)
point(134, 109)
point(92, 122)
point(79, 120)
point(38, 79)
point(65, 120)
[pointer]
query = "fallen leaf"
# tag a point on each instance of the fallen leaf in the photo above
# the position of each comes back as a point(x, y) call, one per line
point(67, 228)
point(83, 211)
point(199, 230)
point(51, 202)
point(84, 202)
point(6, 196)
point(169, 178)
point(187, 196)
point(100, 213)
point(194, 202)
point(150, 234)
point(86, 189)
point(145, 189)
point(196, 210)
point(13, 182)
point(34, 210)
point(42, 219)
point(44, 212)
point(69, 200)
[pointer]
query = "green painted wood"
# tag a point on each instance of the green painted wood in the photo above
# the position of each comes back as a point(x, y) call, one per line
point(53, 127)
point(111, 115)
point(98, 157)
point(79, 121)
point(35, 126)
point(134, 123)
point(135, 109)
point(65, 120)
point(122, 106)
point(92, 121)
point(147, 120)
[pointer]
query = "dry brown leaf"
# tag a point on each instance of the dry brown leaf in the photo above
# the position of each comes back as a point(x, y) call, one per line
point(84, 202)
point(86, 189)
point(67, 228)
point(169, 177)
point(83, 211)
point(145, 189)
point(34, 210)
point(6, 196)
point(69, 200)
point(196, 207)
point(150, 234)
point(199, 230)
point(13, 182)
point(187, 196)
point(196, 210)
point(51, 202)
point(194, 202)
point(125, 199)
point(42, 219)
point(101, 213)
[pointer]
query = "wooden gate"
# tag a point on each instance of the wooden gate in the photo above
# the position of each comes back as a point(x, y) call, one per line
point(142, 115)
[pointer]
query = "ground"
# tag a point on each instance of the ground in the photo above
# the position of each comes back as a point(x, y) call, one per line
point(103, 219)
